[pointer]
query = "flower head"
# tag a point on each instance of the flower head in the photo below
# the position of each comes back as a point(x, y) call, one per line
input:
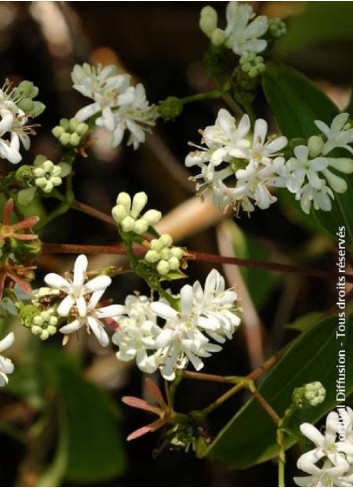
point(119, 105)
point(127, 213)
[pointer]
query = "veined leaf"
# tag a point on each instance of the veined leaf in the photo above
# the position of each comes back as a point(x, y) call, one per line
point(250, 436)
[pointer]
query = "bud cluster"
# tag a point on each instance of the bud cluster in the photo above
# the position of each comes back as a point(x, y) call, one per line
point(127, 213)
point(163, 255)
point(70, 132)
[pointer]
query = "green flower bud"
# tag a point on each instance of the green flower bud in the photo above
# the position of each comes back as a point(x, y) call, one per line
point(276, 28)
point(315, 145)
point(38, 108)
point(119, 213)
point(314, 393)
point(177, 252)
point(208, 20)
point(152, 256)
point(82, 129)
point(27, 314)
point(163, 267)
point(174, 263)
point(138, 203)
point(51, 330)
point(24, 176)
point(166, 240)
point(170, 108)
point(141, 226)
point(156, 244)
point(65, 124)
point(152, 216)
point(124, 199)
point(75, 139)
point(73, 123)
point(65, 138)
point(218, 37)
point(165, 254)
point(57, 131)
point(26, 104)
point(36, 330)
point(27, 89)
point(44, 335)
point(128, 224)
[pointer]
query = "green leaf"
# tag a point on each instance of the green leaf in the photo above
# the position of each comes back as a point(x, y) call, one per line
point(296, 103)
point(305, 322)
point(89, 419)
point(26, 195)
point(260, 283)
point(250, 437)
point(319, 21)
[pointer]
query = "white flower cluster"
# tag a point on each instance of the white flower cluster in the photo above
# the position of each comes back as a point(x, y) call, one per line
point(203, 314)
point(118, 105)
point(80, 305)
point(243, 31)
point(310, 175)
point(15, 111)
point(240, 167)
point(250, 163)
point(335, 457)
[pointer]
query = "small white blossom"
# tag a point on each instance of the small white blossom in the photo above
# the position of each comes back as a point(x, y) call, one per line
point(237, 166)
point(76, 288)
point(333, 456)
point(92, 318)
point(6, 365)
point(127, 213)
point(119, 105)
point(137, 333)
point(338, 135)
point(244, 30)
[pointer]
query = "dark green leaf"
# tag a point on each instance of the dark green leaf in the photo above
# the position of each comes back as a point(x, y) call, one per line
point(296, 103)
point(250, 437)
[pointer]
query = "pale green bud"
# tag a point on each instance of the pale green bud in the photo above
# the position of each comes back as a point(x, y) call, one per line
point(65, 138)
point(177, 252)
point(141, 226)
point(218, 37)
point(336, 183)
point(315, 145)
point(174, 263)
point(165, 254)
point(152, 217)
point(314, 393)
point(38, 320)
point(163, 267)
point(65, 124)
point(44, 335)
point(119, 213)
point(57, 131)
point(51, 330)
point(124, 199)
point(73, 123)
point(344, 165)
point(75, 139)
point(152, 256)
point(156, 244)
point(138, 203)
point(38, 108)
point(208, 20)
point(36, 330)
point(82, 129)
point(166, 240)
point(128, 224)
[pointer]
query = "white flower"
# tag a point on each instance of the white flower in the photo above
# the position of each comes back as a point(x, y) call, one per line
point(119, 105)
point(6, 365)
point(319, 197)
point(334, 457)
point(231, 152)
point(303, 167)
point(183, 337)
point(13, 129)
point(127, 213)
point(92, 318)
point(76, 288)
point(339, 134)
point(137, 333)
point(243, 33)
